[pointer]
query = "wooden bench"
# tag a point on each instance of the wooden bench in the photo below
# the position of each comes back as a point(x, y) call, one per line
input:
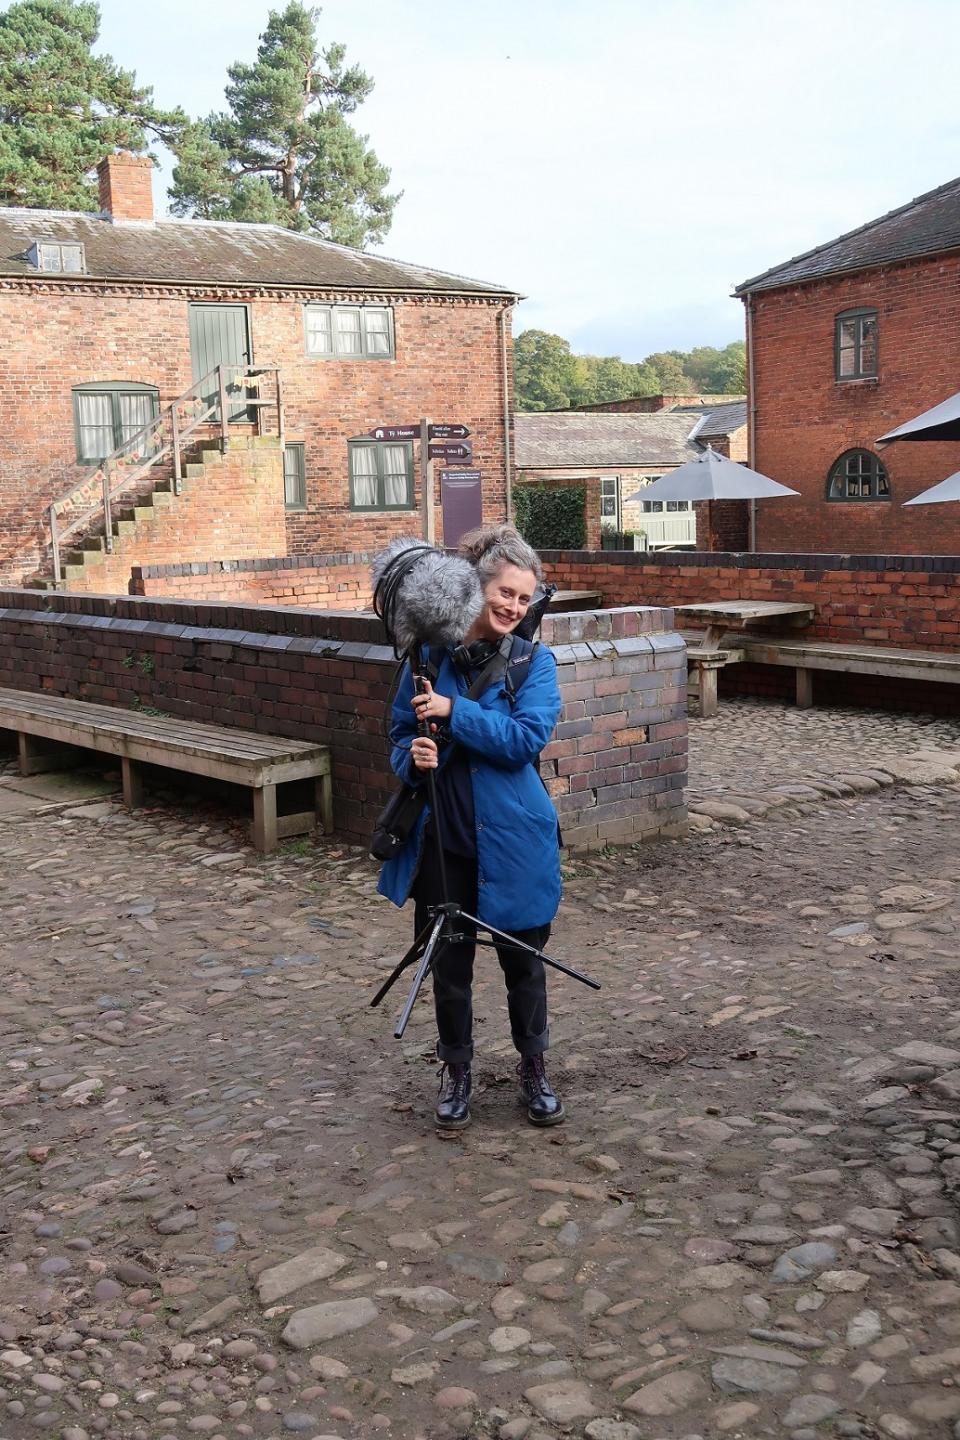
point(805, 656)
point(45, 724)
point(707, 653)
point(563, 601)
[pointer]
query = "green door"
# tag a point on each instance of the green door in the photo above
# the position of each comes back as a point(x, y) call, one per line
point(220, 335)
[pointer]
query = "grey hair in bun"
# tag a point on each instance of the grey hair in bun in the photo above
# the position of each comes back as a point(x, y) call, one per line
point(490, 547)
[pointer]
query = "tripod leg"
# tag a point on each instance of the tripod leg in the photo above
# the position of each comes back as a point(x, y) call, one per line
point(426, 961)
point(515, 944)
point(411, 957)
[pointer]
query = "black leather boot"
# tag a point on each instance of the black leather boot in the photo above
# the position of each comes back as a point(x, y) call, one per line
point(544, 1106)
point(453, 1102)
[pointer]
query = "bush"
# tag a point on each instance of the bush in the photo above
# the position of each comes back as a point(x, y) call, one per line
point(552, 519)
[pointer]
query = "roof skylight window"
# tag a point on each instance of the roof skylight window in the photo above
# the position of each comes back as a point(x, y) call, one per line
point(58, 258)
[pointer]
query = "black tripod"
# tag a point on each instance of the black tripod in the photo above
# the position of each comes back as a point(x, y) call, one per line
point(449, 924)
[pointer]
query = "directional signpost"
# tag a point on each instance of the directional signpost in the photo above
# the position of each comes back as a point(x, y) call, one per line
point(395, 432)
point(438, 441)
point(447, 432)
point(446, 450)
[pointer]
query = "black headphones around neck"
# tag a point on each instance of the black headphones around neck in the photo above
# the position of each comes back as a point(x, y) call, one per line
point(475, 655)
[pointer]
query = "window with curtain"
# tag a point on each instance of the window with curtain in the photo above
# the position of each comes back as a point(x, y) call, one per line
point(858, 475)
point(349, 332)
point(381, 476)
point(107, 414)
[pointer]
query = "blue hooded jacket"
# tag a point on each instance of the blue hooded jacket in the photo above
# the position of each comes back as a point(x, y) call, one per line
point(518, 856)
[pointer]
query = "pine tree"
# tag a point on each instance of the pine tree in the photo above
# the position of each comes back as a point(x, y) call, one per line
point(284, 151)
point(62, 108)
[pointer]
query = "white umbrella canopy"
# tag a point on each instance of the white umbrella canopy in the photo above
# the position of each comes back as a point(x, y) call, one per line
point(712, 477)
point(948, 489)
point(940, 423)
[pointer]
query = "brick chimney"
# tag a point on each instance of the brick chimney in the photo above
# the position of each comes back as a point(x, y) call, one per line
point(126, 186)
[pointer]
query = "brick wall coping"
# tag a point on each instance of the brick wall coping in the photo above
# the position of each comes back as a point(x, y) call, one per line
point(297, 628)
point(230, 567)
point(749, 560)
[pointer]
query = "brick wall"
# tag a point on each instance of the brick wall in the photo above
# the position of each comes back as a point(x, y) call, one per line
point(805, 419)
point(235, 505)
point(56, 333)
point(723, 525)
point(327, 582)
point(631, 477)
point(911, 601)
point(616, 770)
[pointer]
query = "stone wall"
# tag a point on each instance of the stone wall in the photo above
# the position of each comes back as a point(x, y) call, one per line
point(616, 769)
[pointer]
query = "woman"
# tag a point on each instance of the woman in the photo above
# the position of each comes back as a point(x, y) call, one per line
point(496, 820)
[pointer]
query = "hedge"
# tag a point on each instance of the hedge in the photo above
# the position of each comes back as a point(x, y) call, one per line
point(552, 519)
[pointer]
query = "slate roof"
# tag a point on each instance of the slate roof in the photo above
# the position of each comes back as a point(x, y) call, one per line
point(576, 440)
point(722, 420)
point(928, 225)
point(218, 252)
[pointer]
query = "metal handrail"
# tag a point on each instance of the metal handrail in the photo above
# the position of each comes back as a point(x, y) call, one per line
point(152, 439)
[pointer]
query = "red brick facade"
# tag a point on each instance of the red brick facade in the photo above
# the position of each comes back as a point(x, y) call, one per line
point(805, 418)
point(56, 333)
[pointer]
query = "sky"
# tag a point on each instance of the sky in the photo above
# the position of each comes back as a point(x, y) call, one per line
point(622, 163)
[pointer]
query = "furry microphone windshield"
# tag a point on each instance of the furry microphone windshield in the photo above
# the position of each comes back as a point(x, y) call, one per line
point(423, 596)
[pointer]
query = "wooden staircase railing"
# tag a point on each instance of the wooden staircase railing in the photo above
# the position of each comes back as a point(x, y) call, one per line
point(209, 401)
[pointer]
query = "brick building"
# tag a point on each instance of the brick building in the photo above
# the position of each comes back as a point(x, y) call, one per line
point(613, 449)
point(845, 343)
point(105, 320)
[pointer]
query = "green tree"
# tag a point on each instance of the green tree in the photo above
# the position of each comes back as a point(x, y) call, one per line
point(545, 371)
point(718, 372)
point(284, 150)
point(672, 379)
point(62, 108)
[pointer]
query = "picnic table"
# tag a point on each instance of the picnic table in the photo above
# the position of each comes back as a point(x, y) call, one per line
point(708, 658)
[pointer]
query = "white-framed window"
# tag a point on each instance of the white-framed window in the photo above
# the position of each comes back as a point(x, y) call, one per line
point(381, 476)
point(672, 507)
point(349, 332)
point(609, 485)
point(58, 258)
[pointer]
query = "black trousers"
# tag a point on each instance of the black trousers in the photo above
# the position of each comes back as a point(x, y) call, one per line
point(453, 973)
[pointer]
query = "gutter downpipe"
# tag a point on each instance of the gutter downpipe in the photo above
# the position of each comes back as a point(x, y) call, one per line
point(508, 479)
point(752, 417)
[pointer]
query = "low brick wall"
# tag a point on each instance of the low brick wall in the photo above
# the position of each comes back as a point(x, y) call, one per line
point(616, 769)
point(327, 582)
point(900, 600)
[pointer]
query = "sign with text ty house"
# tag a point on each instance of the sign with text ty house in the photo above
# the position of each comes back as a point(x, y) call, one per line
point(395, 432)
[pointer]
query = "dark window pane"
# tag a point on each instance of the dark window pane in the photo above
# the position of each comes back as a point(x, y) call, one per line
point(868, 347)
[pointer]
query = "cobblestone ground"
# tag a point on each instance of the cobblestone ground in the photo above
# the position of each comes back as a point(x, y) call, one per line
point(224, 1210)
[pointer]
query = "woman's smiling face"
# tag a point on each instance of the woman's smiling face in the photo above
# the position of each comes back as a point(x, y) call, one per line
point(506, 599)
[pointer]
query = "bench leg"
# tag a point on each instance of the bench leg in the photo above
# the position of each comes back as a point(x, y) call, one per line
point(37, 756)
point(265, 819)
point(132, 783)
point(804, 689)
point(324, 802)
point(707, 686)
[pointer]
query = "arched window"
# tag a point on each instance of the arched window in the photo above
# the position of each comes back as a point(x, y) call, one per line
point(858, 475)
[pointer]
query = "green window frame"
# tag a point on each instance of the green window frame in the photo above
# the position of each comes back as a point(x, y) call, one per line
point(381, 475)
point(295, 475)
point(858, 475)
point(856, 345)
point(107, 413)
point(349, 332)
